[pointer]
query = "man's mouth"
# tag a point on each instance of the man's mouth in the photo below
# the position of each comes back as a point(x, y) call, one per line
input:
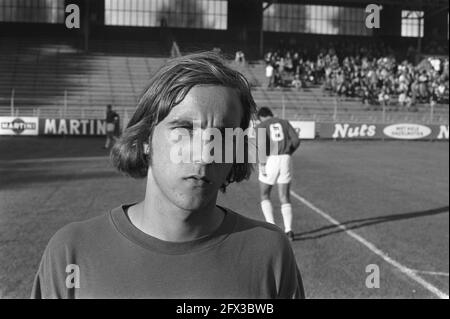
point(200, 179)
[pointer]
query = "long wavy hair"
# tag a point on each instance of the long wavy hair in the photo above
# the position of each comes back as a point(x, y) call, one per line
point(167, 88)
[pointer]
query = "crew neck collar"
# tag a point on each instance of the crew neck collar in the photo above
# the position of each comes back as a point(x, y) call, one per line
point(123, 224)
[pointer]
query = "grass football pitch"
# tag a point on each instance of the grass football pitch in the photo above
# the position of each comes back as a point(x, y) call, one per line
point(355, 204)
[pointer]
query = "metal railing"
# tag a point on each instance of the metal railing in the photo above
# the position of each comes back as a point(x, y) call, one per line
point(281, 105)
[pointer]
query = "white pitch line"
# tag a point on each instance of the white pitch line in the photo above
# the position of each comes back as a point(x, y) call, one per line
point(408, 272)
point(431, 273)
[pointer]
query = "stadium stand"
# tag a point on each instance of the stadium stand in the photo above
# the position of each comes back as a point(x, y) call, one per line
point(48, 70)
point(41, 71)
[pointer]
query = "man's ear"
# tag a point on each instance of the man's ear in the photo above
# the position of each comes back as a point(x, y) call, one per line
point(146, 148)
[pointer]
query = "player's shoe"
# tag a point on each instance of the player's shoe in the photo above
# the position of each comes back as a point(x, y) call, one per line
point(290, 235)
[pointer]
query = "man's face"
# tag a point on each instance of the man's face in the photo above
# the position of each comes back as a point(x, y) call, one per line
point(191, 186)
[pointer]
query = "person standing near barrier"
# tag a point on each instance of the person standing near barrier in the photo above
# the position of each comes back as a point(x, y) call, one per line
point(112, 120)
point(282, 141)
point(117, 128)
point(269, 75)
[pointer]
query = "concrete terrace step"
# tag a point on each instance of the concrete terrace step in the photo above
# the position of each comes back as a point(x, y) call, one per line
point(40, 72)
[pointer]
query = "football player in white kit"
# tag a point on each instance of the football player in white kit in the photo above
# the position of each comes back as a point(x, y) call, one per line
point(281, 141)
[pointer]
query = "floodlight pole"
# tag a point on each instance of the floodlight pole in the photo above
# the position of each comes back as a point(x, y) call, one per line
point(261, 30)
point(419, 41)
point(65, 103)
point(12, 102)
point(419, 38)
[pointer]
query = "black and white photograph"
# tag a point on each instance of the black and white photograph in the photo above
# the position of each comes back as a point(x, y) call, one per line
point(224, 154)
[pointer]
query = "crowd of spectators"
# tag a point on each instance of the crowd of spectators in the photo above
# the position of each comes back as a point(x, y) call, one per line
point(375, 76)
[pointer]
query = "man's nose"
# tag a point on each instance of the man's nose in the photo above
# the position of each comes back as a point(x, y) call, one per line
point(207, 154)
point(209, 150)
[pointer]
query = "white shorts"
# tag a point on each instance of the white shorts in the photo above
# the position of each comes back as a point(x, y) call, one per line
point(110, 127)
point(278, 170)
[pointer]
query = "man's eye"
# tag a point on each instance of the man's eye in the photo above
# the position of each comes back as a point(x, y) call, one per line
point(184, 130)
point(189, 128)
